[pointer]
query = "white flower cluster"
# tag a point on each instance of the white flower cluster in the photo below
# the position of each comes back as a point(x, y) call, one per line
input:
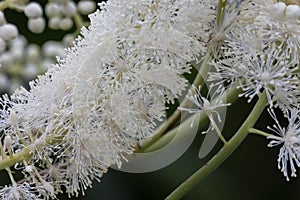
point(109, 93)
point(23, 61)
point(61, 13)
point(261, 51)
point(15, 50)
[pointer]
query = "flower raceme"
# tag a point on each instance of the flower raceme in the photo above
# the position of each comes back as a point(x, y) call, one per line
point(90, 109)
point(109, 93)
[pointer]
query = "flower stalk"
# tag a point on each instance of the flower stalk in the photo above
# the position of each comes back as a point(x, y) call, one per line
point(223, 154)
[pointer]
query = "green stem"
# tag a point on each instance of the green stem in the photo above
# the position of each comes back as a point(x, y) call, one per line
point(175, 117)
point(4, 5)
point(17, 5)
point(26, 153)
point(79, 23)
point(185, 127)
point(220, 13)
point(227, 149)
point(218, 132)
point(15, 158)
point(259, 132)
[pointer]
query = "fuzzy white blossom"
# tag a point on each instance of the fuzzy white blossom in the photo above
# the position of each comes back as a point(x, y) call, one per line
point(289, 137)
point(208, 104)
point(259, 54)
point(278, 22)
point(108, 93)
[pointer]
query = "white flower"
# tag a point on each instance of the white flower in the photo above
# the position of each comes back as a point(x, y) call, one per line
point(278, 22)
point(289, 155)
point(268, 70)
point(229, 15)
point(208, 104)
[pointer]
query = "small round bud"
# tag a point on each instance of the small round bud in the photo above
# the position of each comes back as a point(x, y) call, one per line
point(17, 47)
point(30, 71)
point(278, 9)
point(47, 64)
point(52, 10)
point(2, 45)
point(6, 59)
point(2, 18)
point(8, 32)
point(86, 7)
point(292, 11)
point(52, 49)
point(65, 24)
point(53, 23)
point(33, 10)
point(36, 25)
point(33, 52)
point(68, 40)
point(69, 9)
point(19, 43)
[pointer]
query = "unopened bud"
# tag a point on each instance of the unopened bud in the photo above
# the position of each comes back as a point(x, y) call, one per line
point(69, 9)
point(65, 24)
point(33, 10)
point(52, 10)
point(36, 25)
point(86, 7)
point(8, 32)
point(292, 11)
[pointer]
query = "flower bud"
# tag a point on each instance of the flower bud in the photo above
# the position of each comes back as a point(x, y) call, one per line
point(86, 7)
point(33, 52)
point(33, 10)
point(292, 11)
point(69, 9)
point(52, 10)
point(30, 71)
point(36, 25)
point(65, 24)
point(53, 23)
point(68, 40)
point(278, 9)
point(6, 59)
point(8, 32)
